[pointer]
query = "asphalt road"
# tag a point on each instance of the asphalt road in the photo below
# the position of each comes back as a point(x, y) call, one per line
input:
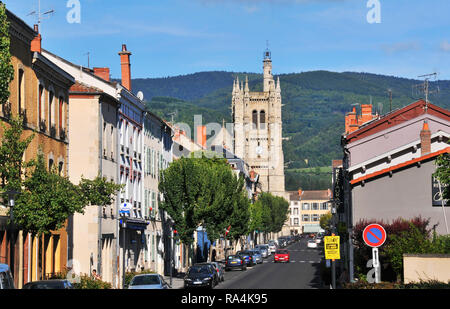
point(303, 272)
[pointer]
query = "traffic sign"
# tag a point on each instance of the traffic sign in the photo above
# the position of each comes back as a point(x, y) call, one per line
point(374, 235)
point(331, 246)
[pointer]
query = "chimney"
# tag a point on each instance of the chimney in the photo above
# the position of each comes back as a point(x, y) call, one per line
point(425, 139)
point(125, 65)
point(102, 73)
point(36, 42)
point(252, 174)
point(300, 192)
point(201, 136)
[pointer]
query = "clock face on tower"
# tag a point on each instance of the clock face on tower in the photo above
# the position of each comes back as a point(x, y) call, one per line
point(259, 150)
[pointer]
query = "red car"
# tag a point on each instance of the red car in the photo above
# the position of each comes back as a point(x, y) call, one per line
point(281, 255)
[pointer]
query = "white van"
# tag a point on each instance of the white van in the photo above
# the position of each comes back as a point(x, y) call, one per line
point(6, 279)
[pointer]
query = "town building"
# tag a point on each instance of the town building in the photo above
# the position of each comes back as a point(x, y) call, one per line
point(40, 94)
point(388, 167)
point(158, 155)
point(92, 152)
point(307, 207)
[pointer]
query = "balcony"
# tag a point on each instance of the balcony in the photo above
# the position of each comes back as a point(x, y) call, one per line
point(53, 131)
point(42, 125)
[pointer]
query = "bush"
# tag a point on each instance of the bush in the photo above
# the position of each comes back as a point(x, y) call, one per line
point(87, 282)
point(430, 284)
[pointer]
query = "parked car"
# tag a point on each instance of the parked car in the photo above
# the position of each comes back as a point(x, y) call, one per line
point(281, 255)
point(312, 243)
point(248, 257)
point(6, 279)
point(264, 249)
point(257, 256)
point(148, 281)
point(200, 275)
point(318, 240)
point(235, 261)
point(220, 271)
point(52, 284)
point(272, 247)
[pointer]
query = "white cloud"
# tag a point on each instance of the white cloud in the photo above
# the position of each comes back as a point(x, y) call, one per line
point(445, 46)
point(400, 47)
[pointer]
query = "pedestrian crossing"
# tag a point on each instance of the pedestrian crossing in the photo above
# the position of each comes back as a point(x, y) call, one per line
point(292, 261)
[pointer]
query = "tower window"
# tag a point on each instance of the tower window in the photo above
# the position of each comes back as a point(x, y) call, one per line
point(255, 119)
point(262, 119)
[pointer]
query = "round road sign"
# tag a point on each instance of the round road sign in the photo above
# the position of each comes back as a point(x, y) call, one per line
point(374, 235)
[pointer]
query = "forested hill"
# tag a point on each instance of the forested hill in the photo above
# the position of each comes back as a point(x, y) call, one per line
point(315, 104)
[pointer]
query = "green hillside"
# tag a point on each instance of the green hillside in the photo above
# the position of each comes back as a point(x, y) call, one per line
point(315, 104)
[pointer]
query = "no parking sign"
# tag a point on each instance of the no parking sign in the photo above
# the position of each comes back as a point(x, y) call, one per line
point(374, 235)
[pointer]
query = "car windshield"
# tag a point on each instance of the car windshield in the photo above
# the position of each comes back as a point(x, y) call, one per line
point(47, 285)
point(204, 269)
point(145, 280)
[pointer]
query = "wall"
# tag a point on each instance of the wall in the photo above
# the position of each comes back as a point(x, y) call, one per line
point(418, 267)
point(406, 194)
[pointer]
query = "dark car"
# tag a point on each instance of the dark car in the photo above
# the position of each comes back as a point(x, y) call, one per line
point(200, 275)
point(248, 257)
point(220, 271)
point(57, 284)
point(6, 279)
point(235, 261)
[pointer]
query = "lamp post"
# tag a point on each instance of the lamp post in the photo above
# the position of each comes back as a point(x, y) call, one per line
point(11, 199)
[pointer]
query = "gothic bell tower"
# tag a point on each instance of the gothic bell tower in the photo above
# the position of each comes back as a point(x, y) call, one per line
point(258, 128)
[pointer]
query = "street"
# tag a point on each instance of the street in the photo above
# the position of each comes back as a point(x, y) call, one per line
point(302, 272)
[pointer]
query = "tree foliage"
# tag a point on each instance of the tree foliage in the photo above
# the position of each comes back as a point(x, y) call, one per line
point(274, 212)
point(6, 68)
point(201, 191)
point(47, 200)
point(12, 150)
point(443, 174)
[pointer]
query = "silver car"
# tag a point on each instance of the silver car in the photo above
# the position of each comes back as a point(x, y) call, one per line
point(264, 249)
point(148, 281)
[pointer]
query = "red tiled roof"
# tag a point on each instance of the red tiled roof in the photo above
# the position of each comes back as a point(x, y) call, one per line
point(403, 114)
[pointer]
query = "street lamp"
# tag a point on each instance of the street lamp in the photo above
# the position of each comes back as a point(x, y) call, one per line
point(11, 198)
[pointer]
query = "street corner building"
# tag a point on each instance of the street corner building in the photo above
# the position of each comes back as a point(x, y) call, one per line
point(39, 92)
point(390, 162)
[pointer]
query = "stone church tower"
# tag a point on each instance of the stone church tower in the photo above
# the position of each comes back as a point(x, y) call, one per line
point(258, 129)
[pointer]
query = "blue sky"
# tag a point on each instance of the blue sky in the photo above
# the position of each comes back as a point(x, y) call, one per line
point(177, 37)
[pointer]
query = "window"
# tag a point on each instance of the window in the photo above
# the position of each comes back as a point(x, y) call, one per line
point(40, 107)
point(305, 206)
point(262, 120)
point(60, 113)
point(315, 217)
point(255, 119)
point(315, 206)
point(295, 221)
point(50, 106)
point(324, 206)
point(50, 164)
point(21, 92)
point(305, 218)
point(60, 167)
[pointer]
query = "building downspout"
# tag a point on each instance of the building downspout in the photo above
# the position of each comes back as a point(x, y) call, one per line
point(348, 203)
point(100, 173)
point(116, 260)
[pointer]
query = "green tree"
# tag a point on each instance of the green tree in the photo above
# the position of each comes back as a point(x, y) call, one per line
point(443, 174)
point(47, 200)
point(99, 191)
point(12, 151)
point(274, 212)
point(325, 221)
point(6, 68)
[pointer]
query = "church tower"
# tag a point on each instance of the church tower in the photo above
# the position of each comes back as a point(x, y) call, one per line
point(258, 128)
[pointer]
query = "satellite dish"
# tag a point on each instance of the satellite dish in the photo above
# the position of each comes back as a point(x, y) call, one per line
point(140, 95)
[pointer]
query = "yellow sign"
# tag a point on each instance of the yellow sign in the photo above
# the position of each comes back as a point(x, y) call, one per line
point(331, 246)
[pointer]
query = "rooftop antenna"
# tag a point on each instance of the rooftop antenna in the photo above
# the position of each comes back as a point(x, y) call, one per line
point(40, 16)
point(390, 99)
point(88, 54)
point(425, 87)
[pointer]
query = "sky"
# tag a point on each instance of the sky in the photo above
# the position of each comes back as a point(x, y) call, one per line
point(178, 37)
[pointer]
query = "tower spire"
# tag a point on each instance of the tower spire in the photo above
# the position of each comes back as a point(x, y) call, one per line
point(246, 84)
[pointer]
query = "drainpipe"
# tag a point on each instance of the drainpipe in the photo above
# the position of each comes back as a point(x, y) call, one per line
point(100, 207)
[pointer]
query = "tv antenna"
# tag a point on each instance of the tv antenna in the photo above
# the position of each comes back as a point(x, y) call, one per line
point(40, 16)
point(390, 99)
point(425, 87)
point(88, 54)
